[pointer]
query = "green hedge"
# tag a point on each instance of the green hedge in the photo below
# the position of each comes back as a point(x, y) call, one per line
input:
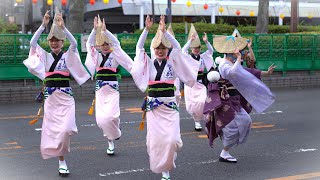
point(179, 28)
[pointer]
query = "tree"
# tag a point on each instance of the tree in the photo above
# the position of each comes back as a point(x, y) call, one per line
point(6, 28)
point(75, 16)
point(263, 17)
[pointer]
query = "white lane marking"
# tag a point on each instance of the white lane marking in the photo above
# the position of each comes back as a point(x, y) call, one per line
point(38, 129)
point(305, 150)
point(130, 122)
point(270, 112)
point(183, 118)
point(126, 122)
point(146, 169)
point(123, 172)
point(202, 162)
point(88, 125)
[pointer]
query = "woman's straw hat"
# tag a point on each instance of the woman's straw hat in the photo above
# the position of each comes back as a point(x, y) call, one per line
point(55, 30)
point(196, 42)
point(170, 30)
point(101, 37)
point(160, 39)
point(228, 44)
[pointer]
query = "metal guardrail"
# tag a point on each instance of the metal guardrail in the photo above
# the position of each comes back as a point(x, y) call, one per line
point(287, 51)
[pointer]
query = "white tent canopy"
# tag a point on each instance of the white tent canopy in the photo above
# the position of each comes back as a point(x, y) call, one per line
point(230, 8)
point(180, 8)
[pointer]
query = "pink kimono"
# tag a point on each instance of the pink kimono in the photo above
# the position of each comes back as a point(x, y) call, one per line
point(107, 89)
point(59, 121)
point(163, 121)
point(195, 96)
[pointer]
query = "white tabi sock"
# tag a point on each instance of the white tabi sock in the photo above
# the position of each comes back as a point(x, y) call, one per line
point(165, 174)
point(63, 164)
point(226, 155)
point(197, 125)
point(111, 144)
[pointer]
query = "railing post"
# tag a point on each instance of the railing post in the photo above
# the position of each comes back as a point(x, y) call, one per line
point(313, 53)
point(285, 56)
point(15, 48)
point(256, 46)
point(36, 82)
point(271, 45)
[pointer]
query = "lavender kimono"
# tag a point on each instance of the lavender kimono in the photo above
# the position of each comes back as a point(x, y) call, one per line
point(107, 92)
point(163, 129)
point(195, 97)
point(59, 120)
point(229, 113)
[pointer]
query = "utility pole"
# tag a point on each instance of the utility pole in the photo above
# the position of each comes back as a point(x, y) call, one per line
point(23, 25)
point(152, 4)
point(169, 12)
point(294, 15)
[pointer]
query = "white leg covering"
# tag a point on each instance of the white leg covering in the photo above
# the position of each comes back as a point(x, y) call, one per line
point(63, 168)
point(165, 175)
point(226, 155)
point(197, 125)
point(110, 150)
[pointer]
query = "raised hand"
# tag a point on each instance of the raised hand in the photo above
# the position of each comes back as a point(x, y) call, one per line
point(149, 22)
point(46, 18)
point(237, 52)
point(162, 23)
point(95, 22)
point(205, 37)
point(104, 28)
point(60, 21)
point(250, 43)
point(271, 68)
point(193, 37)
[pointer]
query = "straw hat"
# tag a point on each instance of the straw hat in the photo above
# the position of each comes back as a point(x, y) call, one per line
point(56, 30)
point(196, 42)
point(170, 30)
point(159, 38)
point(236, 33)
point(228, 44)
point(101, 38)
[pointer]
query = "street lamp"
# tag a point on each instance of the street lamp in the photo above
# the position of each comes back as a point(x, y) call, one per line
point(214, 4)
point(141, 3)
point(20, 9)
point(7, 17)
point(281, 6)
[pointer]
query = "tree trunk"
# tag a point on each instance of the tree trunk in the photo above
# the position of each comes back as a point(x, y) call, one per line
point(75, 16)
point(294, 16)
point(263, 17)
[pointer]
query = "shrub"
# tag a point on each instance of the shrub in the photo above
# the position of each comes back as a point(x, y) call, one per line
point(6, 28)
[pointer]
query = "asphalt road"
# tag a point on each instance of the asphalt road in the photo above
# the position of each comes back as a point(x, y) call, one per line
point(284, 141)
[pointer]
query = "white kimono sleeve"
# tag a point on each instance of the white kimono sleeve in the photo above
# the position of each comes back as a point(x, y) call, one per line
point(152, 53)
point(184, 66)
point(37, 56)
point(73, 61)
point(92, 54)
point(207, 57)
point(121, 57)
point(186, 47)
point(140, 67)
